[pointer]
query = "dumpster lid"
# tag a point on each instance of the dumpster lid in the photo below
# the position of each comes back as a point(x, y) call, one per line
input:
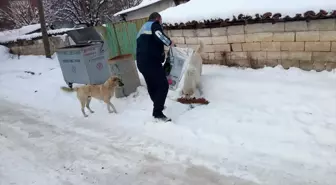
point(75, 46)
point(83, 36)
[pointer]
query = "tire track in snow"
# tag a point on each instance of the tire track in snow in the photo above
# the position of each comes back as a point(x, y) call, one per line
point(59, 152)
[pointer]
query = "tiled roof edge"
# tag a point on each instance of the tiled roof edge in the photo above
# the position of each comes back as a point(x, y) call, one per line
point(241, 19)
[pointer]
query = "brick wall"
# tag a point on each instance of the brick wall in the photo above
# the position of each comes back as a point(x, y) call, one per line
point(307, 45)
point(36, 47)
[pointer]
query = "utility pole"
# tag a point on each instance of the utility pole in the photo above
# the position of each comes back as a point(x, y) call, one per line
point(44, 29)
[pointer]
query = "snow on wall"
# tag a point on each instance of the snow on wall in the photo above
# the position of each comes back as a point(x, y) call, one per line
point(200, 10)
point(21, 31)
point(6, 38)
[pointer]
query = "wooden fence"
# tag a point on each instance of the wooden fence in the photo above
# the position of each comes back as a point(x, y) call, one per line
point(121, 37)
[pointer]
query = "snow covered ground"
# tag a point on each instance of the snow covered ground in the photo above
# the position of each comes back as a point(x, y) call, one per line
point(269, 126)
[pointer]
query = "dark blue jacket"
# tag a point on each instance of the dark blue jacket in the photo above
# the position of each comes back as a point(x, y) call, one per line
point(150, 45)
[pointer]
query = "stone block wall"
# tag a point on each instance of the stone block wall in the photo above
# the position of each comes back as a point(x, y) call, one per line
point(307, 45)
point(36, 47)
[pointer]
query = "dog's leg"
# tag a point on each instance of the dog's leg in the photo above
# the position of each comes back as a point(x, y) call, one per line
point(108, 108)
point(114, 109)
point(108, 104)
point(88, 104)
point(83, 106)
point(188, 96)
point(201, 91)
point(200, 88)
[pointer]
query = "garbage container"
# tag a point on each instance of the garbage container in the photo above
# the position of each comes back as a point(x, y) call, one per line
point(84, 62)
point(124, 67)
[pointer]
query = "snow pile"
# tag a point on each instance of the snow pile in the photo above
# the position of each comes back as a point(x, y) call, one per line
point(270, 126)
point(143, 4)
point(200, 10)
point(4, 53)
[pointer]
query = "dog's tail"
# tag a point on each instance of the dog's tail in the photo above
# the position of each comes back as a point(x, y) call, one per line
point(67, 89)
point(199, 47)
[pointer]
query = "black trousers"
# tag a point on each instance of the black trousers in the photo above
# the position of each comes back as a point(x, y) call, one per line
point(157, 86)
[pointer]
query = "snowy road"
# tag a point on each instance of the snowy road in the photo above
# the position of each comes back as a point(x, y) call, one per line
point(262, 127)
point(40, 149)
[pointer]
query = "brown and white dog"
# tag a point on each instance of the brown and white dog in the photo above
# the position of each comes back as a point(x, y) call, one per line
point(192, 78)
point(102, 92)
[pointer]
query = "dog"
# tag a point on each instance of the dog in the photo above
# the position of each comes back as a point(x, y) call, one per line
point(192, 78)
point(102, 92)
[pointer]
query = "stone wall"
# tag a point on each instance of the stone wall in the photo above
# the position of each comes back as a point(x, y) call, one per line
point(307, 45)
point(36, 47)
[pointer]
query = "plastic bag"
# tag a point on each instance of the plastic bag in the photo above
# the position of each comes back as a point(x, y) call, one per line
point(176, 63)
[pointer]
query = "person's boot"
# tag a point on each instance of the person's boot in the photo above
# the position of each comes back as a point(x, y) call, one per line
point(162, 117)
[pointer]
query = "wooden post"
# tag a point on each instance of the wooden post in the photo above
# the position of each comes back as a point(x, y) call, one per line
point(44, 29)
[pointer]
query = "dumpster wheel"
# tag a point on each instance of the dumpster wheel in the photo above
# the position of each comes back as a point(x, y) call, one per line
point(70, 85)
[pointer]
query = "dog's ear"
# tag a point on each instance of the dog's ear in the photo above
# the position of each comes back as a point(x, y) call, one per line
point(118, 78)
point(114, 78)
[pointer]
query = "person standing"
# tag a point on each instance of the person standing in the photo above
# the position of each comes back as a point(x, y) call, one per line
point(150, 56)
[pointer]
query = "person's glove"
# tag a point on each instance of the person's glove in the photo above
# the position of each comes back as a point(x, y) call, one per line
point(163, 56)
point(167, 65)
point(167, 68)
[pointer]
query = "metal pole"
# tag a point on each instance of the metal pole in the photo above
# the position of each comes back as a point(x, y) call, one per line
point(44, 29)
